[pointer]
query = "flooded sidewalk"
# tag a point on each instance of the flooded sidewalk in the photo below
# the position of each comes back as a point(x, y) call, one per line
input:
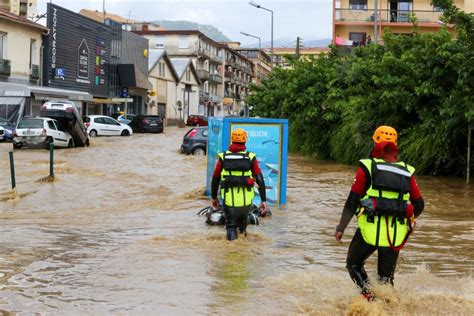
point(116, 232)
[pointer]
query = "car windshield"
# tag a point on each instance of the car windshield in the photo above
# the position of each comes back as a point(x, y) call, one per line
point(31, 123)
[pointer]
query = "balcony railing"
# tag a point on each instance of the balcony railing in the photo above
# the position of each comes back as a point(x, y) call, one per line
point(203, 74)
point(34, 72)
point(202, 52)
point(5, 68)
point(215, 78)
point(390, 16)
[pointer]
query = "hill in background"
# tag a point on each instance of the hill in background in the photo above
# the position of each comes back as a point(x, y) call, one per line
point(208, 30)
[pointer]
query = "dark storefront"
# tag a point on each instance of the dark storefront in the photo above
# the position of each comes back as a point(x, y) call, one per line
point(85, 55)
point(76, 53)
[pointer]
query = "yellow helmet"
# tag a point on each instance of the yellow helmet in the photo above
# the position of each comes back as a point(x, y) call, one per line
point(239, 135)
point(385, 134)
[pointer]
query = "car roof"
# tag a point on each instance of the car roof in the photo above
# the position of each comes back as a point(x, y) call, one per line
point(92, 116)
point(58, 101)
point(38, 118)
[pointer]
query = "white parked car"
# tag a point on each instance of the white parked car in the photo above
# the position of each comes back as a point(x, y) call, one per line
point(101, 125)
point(41, 132)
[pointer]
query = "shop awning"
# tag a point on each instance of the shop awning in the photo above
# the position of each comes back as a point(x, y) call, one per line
point(132, 77)
point(47, 93)
point(113, 100)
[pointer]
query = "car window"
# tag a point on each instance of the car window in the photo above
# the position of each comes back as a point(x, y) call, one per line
point(110, 121)
point(3, 122)
point(51, 125)
point(31, 123)
point(86, 119)
point(60, 126)
point(204, 133)
point(99, 120)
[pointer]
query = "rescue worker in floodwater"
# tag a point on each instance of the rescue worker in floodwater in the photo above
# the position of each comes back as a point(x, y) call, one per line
point(236, 172)
point(386, 200)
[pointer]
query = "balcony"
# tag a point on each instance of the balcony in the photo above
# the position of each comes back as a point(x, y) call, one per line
point(203, 74)
point(215, 78)
point(204, 53)
point(34, 72)
point(5, 67)
point(387, 16)
point(216, 59)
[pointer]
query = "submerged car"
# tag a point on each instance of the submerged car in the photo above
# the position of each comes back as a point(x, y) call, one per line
point(40, 132)
point(195, 141)
point(147, 124)
point(101, 125)
point(67, 113)
point(6, 130)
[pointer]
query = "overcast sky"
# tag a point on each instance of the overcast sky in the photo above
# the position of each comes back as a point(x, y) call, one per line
point(309, 19)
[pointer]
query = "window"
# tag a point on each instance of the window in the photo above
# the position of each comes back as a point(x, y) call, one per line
point(32, 52)
point(99, 120)
point(358, 4)
point(357, 38)
point(164, 70)
point(183, 42)
point(51, 125)
point(3, 45)
point(160, 41)
point(188, 75)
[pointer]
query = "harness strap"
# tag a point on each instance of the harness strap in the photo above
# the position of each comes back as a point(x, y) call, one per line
point(410, 230)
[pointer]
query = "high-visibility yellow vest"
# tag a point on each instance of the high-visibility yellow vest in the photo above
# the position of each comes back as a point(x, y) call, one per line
point(236, 169)
point(390, 181)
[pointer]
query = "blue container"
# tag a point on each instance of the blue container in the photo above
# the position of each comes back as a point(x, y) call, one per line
point(268, 138)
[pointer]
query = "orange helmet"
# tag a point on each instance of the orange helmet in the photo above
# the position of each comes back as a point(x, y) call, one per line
point(385, 134)
point(239, 135)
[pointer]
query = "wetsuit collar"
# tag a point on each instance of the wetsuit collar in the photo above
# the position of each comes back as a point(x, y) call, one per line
point(236, 147)
point(387, 151)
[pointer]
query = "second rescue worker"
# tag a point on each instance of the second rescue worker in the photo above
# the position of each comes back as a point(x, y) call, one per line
point(236, 172)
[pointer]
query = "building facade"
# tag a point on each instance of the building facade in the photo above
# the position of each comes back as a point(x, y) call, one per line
point(23, 8)
point(164, 79)
point(187, 88)
point(238, 74)
point(280, 53)
point(354, 20)
point(20, 49)
point(262, 63)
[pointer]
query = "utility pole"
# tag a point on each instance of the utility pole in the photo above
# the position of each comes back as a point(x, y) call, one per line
point(297, 48)
point(376, 21)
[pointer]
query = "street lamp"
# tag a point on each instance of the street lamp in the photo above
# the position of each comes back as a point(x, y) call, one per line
point(260, 7)
point(259, 42)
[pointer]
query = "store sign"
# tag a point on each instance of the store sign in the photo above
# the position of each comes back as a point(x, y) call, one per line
point(54, 35)
point(83, 60)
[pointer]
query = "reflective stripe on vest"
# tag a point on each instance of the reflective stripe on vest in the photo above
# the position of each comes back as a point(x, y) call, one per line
point(239, 165)
point(374, 229)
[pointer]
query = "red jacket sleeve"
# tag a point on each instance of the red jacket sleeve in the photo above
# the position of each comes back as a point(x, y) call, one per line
point(415, 193)
point(359, 182)
point(218, 169)
point(256, 168)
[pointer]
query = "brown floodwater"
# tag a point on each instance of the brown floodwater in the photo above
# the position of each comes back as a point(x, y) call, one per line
point(116, 232)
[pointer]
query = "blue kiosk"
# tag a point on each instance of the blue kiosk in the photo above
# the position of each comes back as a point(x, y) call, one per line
point(268, 138)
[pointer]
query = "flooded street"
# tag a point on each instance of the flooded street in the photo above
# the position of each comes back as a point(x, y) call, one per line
point(117, 233)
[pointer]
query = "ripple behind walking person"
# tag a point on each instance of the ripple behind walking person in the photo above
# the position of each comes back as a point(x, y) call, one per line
point(380, 196)
point(236, 172)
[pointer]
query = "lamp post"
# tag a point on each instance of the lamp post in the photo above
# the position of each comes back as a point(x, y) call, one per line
point(271, 11)
point(259, 42)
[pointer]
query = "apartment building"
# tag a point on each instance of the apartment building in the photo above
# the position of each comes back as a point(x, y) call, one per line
point(354, 20)
point(23, 8)
point(206, 55)
point(262, 65)
point(280, 53)
point(238, 74)
point(20, 45)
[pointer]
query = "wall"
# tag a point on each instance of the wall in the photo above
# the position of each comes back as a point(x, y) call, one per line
point(172, 44)
point(18, 49)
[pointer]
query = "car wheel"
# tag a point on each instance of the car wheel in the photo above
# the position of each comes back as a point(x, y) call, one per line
point(199, 152)
point(70, 144)
point(93, 133)
point(125, 132)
